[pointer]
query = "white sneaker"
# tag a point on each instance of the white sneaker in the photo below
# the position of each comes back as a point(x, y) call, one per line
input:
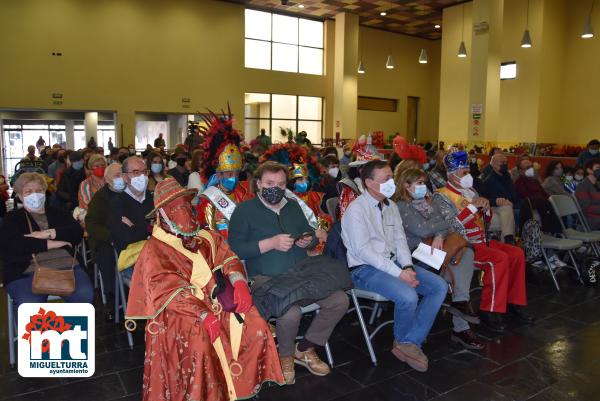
point(556, 262)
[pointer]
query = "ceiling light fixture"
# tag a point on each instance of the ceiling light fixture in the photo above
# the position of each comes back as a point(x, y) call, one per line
point(588, 30)
point(526, 40)
point(300, 5)
point(437, 26)
point(462, 49)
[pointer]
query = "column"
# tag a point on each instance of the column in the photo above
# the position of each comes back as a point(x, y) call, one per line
point(91, 126)
point(125, 127)
point(70, 134)
point(345, 86)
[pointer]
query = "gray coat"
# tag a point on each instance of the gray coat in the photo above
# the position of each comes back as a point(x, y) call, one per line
point(417, 227)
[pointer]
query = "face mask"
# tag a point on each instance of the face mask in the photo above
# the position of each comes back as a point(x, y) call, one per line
point(34, 201)
point(578, 177)
point(98, 171)
point(272, 195)
point(432, 162)
point(467, 181)
point(132, 152)
point(181, 162)
point(301, 187)
point(229, 183)
point(425, 166)
point(78, 165)
point(473, 160)
point(156, 167)
point(558, 172)
point(420, 192)
point(530, 172)
point(504, 168)
point(388, 188)
point(334, 171)
point(347, 154)
point(139, 183)
point(61, 159)
point(118, 184)
point(569, 177)
point(593, 151)
point(597, 173)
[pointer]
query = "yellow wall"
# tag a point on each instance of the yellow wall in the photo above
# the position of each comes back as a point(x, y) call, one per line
point(408, 78)
point(455, 82)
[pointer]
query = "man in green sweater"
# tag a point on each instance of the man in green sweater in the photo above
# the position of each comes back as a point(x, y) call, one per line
point(272, 235)
point(98, 230)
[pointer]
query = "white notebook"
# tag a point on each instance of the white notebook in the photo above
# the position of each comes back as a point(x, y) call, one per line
point(423, 254)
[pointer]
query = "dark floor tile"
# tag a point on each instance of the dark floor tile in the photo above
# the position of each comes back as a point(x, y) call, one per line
point(132, 379)
point(397, 388)
point(511, 347)
point(474, 391)
point(132, 397)
point(101, 388)
point(13, 384)
point(454, 370)
point(521, 379)
point(316, 388)
point(542, 308)
point(551, 329)
point(119, 360)
point(553, 394)
point(586, 312)
point(363, 371)
point(439, 346)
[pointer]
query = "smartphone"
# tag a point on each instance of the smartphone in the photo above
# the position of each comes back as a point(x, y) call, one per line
point(303, 236)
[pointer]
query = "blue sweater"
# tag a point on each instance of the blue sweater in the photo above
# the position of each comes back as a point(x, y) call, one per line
point(499, 186)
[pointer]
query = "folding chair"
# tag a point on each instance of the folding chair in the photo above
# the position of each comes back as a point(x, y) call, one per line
point(99, 283)
point(563, 206)
point(377, 299)
point(332, 204)
point(121, 297)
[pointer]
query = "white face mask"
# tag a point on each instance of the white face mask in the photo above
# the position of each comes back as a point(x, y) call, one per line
point(140, 183)
point(467, 181)
point(334, 171)
point(34, 201)
point(530, 172)
point(388, 188)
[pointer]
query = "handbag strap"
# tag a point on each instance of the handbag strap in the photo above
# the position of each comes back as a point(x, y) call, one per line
point(35, 262)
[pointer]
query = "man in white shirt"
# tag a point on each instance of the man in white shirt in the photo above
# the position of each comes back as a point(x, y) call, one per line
point(380, 261)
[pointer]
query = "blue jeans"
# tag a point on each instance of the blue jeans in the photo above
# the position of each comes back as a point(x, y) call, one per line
point(20, 289)
point(412, 319)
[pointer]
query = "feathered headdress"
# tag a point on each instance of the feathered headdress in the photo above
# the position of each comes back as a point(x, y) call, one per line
point(221, 144)
point(296, 157)
point(408, 151)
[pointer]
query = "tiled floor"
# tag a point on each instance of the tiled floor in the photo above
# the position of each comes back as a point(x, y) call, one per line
point(556, 360)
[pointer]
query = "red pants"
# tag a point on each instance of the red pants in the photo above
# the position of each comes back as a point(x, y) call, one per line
point(504, 280)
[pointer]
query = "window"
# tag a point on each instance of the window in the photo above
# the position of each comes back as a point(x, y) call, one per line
point(508, 70)
point(281, 43)
point(274, 112)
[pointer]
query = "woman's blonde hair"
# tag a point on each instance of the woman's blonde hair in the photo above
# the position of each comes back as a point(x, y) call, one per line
point(26, 178)
point(405, 165)
point(409, 177)
point(93, 159)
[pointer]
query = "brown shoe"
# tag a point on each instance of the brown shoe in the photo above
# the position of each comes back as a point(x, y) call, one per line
point(467, 338)
point(412, 355)
point(288, 369)
point(464, 309)
point(311, 361)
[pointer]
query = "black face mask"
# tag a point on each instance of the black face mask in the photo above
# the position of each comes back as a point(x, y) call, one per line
point(597, 173)
point(181, 162)
point(272, 195)
point(504, 168)
point(61, 159)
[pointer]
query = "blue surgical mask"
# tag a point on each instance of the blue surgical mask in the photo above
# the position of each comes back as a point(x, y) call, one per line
point(593, 151)
point(156, 167)
point(229, 183)
point(78, 165)
point(301, 187)
point(118, 184)
point(34, 201)
point(420, 192)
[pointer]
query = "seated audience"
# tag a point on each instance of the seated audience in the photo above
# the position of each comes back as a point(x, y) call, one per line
point(50, 234)
point(91, 185)
point(380, 261)
point(504, 281)
point(71, 179)
point(590, 152)
point(155, 166)
point(588, 195)
point(195, 178)
point(99, 230)
point(499, 189)
point(437, 175)
point(330, 179)
point(422, 220)
point(487, 170)
point(271, 233)
point(59, 162)
point(554, 183)
point(180, 172)
point(128, 209)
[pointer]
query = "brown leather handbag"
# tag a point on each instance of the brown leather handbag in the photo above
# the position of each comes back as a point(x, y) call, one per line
point(49, 281)
point(454, 246)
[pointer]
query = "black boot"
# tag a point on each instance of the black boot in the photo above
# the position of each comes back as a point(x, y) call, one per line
point(491, 322)
point(109, 310)
point(518, 314)
point(509, 239)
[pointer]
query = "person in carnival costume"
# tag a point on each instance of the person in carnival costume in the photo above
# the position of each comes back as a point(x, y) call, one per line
point(221, 168)
point(205, 340)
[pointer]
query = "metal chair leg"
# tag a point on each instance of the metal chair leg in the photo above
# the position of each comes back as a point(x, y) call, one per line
point(363, 327)
point(550, 269)
point(329, 355)
point(374, 313)
point(11, 330)
point(124, 304)
point(575, 266)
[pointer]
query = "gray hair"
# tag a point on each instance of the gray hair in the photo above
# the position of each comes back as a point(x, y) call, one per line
point(26, 178)
point(126, 162)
